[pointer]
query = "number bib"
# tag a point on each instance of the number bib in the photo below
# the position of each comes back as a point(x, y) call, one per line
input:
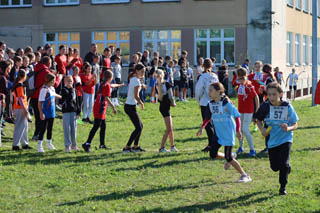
point(217, 108)
point(242, 90)
point(258, 77)
point(278, 113)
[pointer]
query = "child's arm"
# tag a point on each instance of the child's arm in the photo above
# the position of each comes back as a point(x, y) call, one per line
point(40, 110)
point(262, 129)
point(117, 85)
point(112, 106)
point(136, 96)
point(204, 124)
point(287, 128)
point(238, 128)
point(256, 100)
point(24, 109)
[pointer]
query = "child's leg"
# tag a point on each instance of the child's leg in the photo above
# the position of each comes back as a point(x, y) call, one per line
point(24, 138)
point(49, 129)
point(135, 119)
point(91, 100)
point(102, 132)
point(246, 120)
point(18, 127)
point(167, 121)
point(242, 130)
point(233, 162)
point(285, 167)
point(85, 105)
point(73, 128)
point(96, 125)
point(66, 128)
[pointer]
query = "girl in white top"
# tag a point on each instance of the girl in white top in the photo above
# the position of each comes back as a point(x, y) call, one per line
point(130, 108)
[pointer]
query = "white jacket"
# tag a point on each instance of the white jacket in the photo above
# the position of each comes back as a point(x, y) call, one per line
point(202, 87)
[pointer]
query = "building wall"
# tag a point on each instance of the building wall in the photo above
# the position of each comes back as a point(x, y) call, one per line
point(135, 16)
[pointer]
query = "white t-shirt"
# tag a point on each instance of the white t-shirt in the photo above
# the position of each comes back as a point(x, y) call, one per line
point(43, 93)
point(293, 79)
point(117, 71)
point(190, 74)
point(134, 82)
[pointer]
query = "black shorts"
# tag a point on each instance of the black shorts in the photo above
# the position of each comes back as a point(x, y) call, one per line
point(184, 85)
point(176, 84)
point(293, 87)
point(215, 148)
point(164, 109)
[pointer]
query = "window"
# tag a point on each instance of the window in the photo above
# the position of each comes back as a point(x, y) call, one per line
point(306, 5)
point(117, 39)
point(60, 2)
point(289, 49)
point(318, 51)
point(305, 50)
point(298, 49)
point(57, 39)
point(298, 4)
point(218, 43)
point(310, 51)
point(109, 1)
point(158, 0)
point(15, 3)
point(290, 3)
point(166, 42)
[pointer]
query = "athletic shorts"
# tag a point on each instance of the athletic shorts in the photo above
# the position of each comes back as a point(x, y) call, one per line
point(164, 110)
point(153, 82)
point(293, 87)
point(176, 84)
point(184, 85)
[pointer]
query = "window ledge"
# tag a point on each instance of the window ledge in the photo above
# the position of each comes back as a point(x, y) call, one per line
point(111, 2)
point(299, 9)
point(306, 12)
point(16, 6)
point(61, 5)
point(290, 5)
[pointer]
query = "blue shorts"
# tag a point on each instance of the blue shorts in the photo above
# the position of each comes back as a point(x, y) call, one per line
point(153, 82)
point(184, 85)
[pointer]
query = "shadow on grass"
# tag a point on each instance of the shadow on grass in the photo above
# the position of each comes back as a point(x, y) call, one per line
point(186, 140)
point(308, 127)
point(153, 164)
point(242, 200)
point(308, 149)
point(134, 193)
point(186, 128)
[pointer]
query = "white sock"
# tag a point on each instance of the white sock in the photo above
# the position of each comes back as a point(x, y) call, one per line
point(152, 98)
point(50, 141)
point(40, 143)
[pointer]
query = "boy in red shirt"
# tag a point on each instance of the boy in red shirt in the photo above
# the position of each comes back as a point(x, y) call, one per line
point(99, 111)
point(246, 95)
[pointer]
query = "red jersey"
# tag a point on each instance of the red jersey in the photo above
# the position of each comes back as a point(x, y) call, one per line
point(77, 85)
point(101, 104)
point(107, 62)
point(62, 63)
point(85, 79)
point(246, 94)
point(257, 80)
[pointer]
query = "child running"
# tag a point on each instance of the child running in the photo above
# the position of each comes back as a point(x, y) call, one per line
point(20, 107)
point(222, 114)
point(71, 111)
point(130, 108)
point(282, 118)
point(99, 111)
point(246, 95)
point(166, 100)
point(47, 109)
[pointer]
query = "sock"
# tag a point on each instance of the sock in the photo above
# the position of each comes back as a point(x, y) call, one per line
point(244, 174)
point(40, 143)
point(49, 141)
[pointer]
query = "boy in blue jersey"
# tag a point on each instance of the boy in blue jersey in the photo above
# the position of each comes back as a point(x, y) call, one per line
point(281, 117)
point(223, 114)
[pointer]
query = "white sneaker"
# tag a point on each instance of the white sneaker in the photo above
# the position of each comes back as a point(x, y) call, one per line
point(234, 155)
point(40, 148)
point(163, 150)
point(68, 149)
point(227, 166)
point(244, 179)
point(75, 148)
point(50, 146)
point(174, 149)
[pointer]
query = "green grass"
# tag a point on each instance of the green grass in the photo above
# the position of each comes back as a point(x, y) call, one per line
point(188, 181)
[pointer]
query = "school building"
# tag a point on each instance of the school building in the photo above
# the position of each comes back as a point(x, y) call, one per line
point(274, 31)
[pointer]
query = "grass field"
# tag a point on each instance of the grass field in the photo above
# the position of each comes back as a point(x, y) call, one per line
point(188, 181)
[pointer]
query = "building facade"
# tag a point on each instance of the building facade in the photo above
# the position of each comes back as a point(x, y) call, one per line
point(274, 31)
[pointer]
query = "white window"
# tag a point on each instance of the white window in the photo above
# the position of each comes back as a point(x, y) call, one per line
point(298, 4)
point(290, 2)
point(289, 49)
point(57, 39)
point(109, 1)
point(305, 50)
point(298, 49)
point(158, 0)
point(306, 5)
point(166, 42)
point(218, 43)
point(60, 2)
point(15, 3)
point(112, 38)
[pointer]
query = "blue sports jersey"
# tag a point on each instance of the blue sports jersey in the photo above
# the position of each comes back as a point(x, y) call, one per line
point(223, 114)
point(274, 116)
point(47, 97)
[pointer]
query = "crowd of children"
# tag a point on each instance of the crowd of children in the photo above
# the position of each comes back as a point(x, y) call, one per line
point(37, 83)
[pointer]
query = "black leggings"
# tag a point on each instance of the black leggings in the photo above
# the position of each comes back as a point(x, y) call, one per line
point(114, 93)
point(98, 123)
point(191, 88)
point(134, 117)
point(280, 161)
point(34, 105)
point(46, 124)
point(209, 128)
point(79, 101)
point(227, 151)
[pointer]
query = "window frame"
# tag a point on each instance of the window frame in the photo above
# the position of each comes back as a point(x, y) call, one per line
point(57, 42)
point(222, 39)
point(110, 2)
point(157, 1)
point(305, 50)
point(299, 6)
point(298, 49)
point(16, 6)
point(105, 42)
point(156, 40)
point(289, 49)
point(290, 4)
point(60, 4)
point(305, 7)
